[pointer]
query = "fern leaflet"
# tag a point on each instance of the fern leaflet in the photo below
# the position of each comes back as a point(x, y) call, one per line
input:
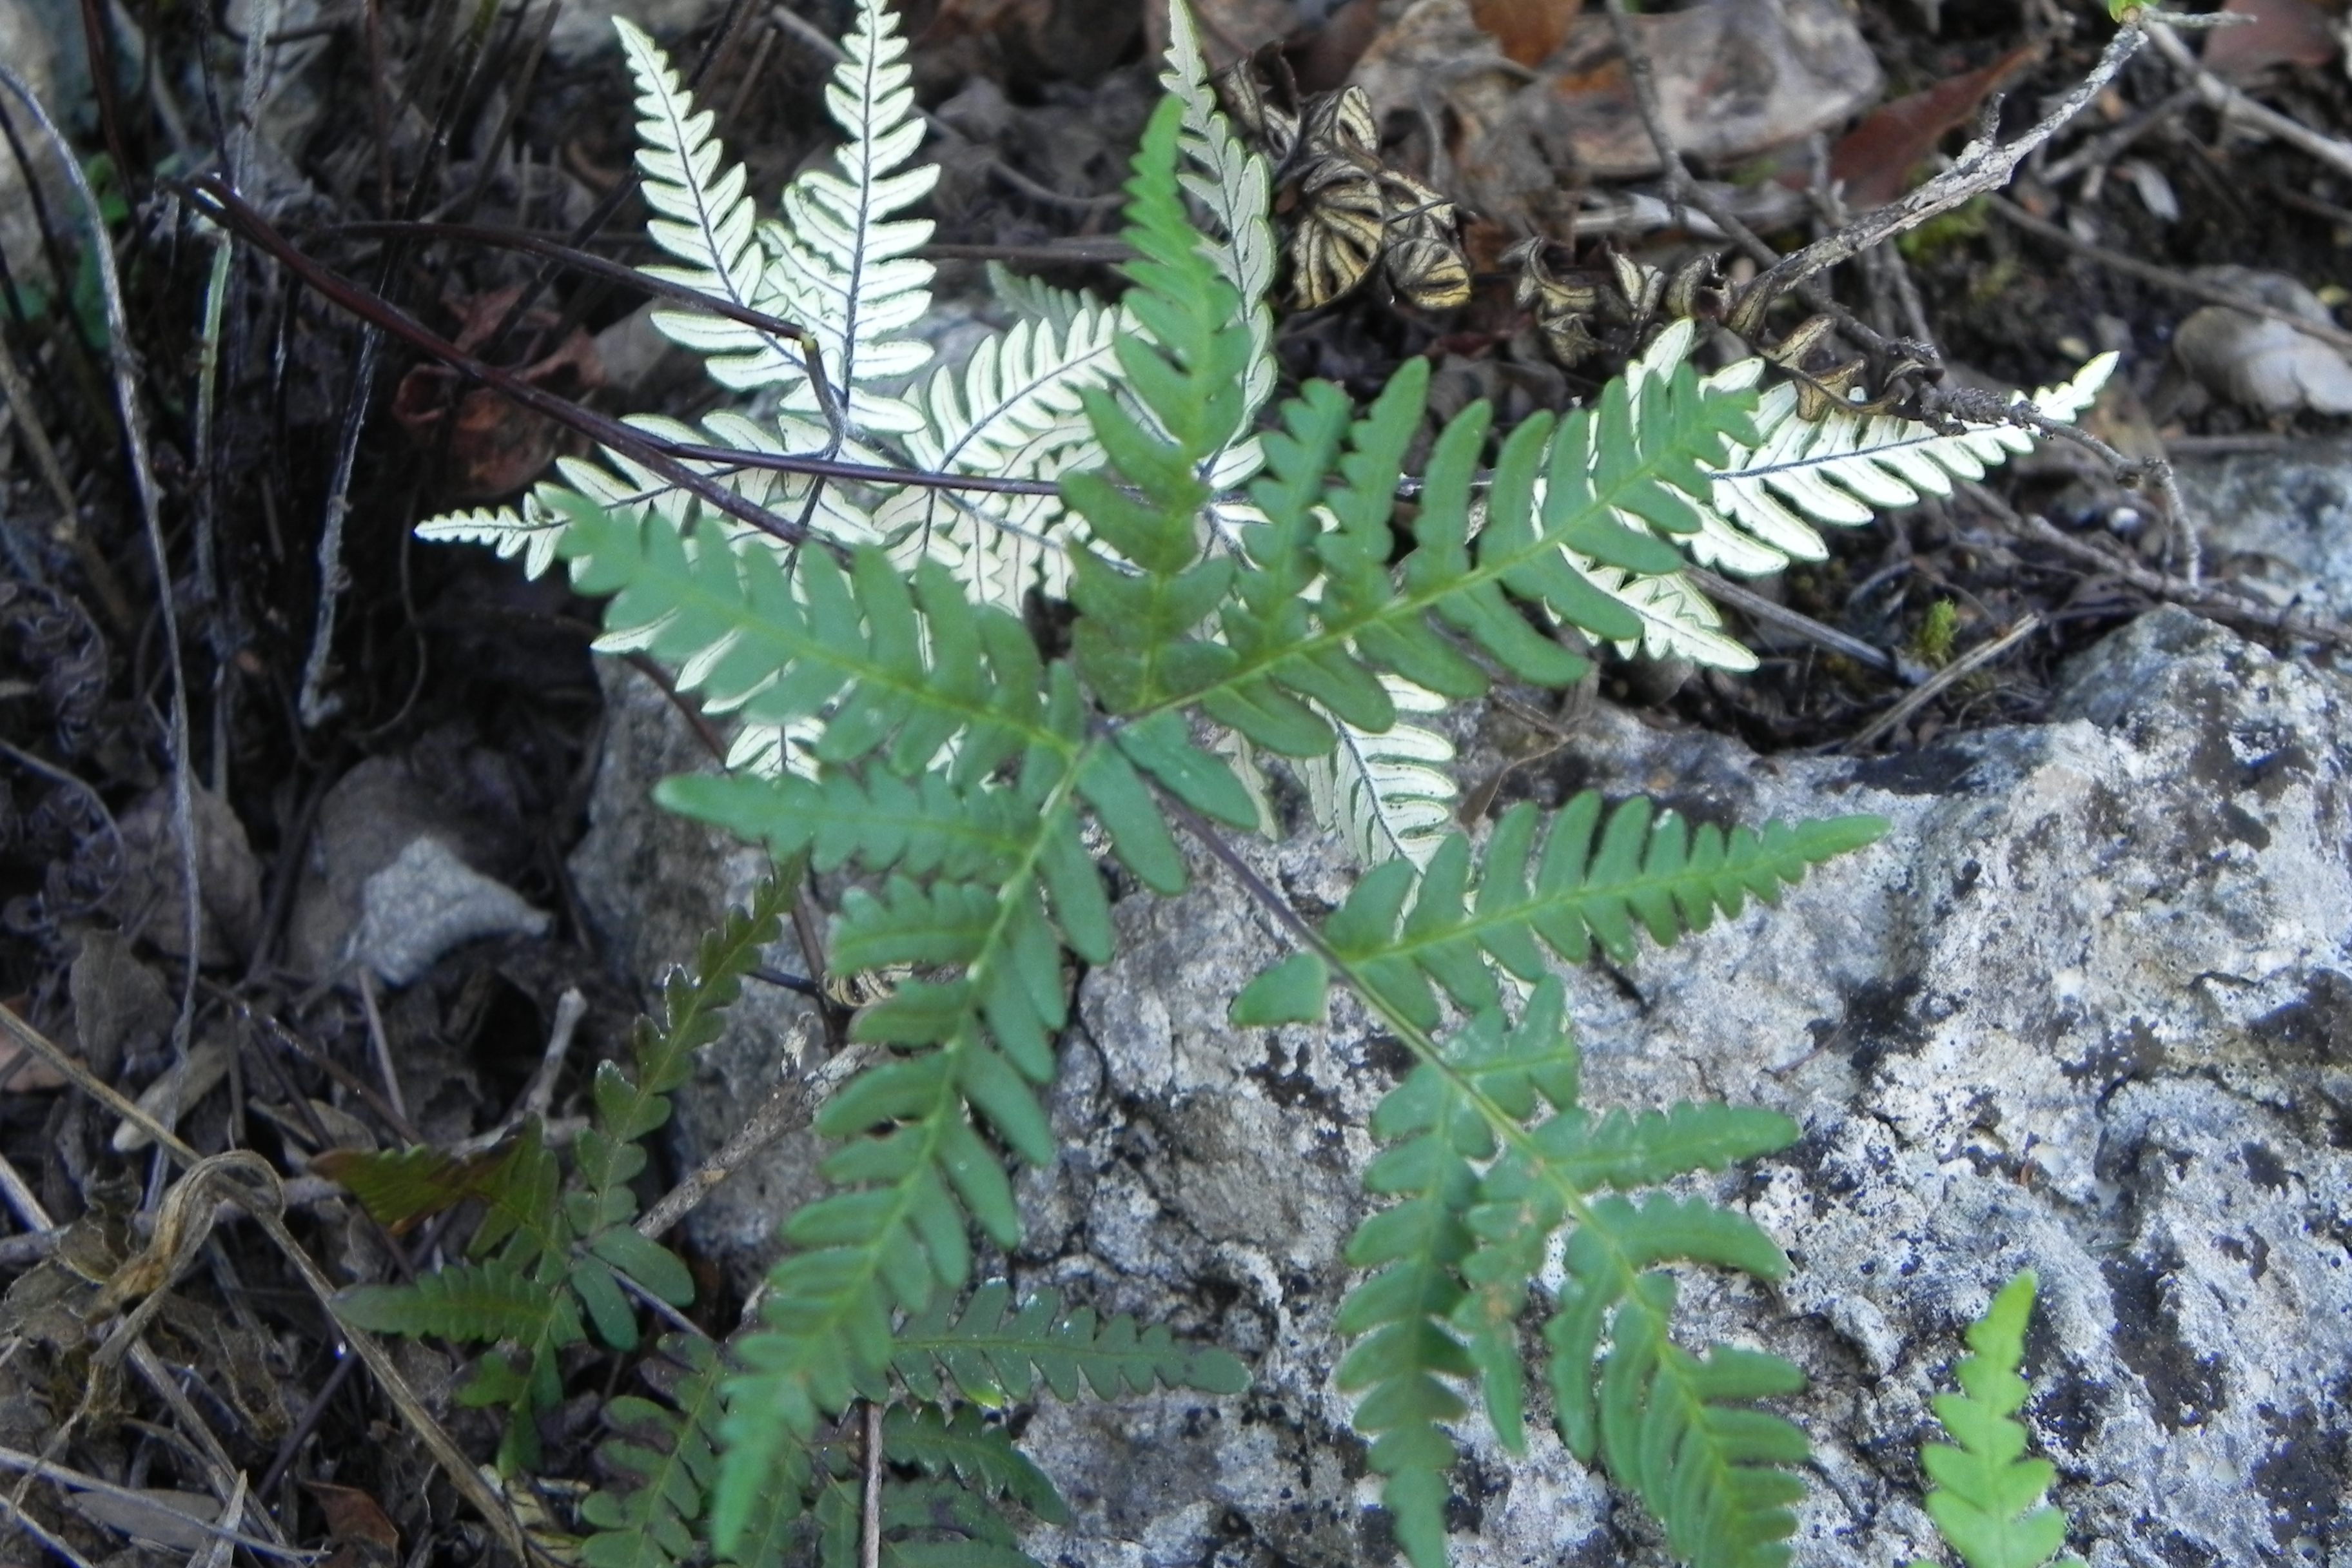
point(665, 1457)
point(1591, 883)
point(994, 1352)
point(1986, 1499)
point(1844, 467)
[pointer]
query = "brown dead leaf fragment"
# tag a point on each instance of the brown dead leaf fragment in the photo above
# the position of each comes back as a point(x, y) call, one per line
point(2280, 33)
point(361, 1534)
point(1528, 30)
point(149, 900)
point(1735, 78)
point(1874, 158)
point(496, 447)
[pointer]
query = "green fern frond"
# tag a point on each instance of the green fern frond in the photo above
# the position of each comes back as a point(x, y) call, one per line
point(968, 1448)
point(548, 1250)
point(1556, 501)
point(932, 1523)
point(994, 1352)
point(1407, 1357)
point(467, 1301)
point(630, 1108)
point(916, 1171)
point(1589, 882)
point(1134, 644)
point(1234, 186)
point(1454, 1261)
point(1682, 1431)
point(1987, 1501)
point(664, 1456)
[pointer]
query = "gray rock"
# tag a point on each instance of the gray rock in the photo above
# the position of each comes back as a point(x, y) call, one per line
point(428, 902)
point(2087, 1008)
point(2280, 523)
point(26, 31)
point(397, 871)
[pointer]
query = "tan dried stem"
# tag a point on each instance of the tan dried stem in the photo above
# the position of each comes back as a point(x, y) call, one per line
point(1984, 166)
point(446, 1453)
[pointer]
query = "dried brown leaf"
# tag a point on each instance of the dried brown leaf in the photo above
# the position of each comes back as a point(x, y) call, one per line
point(2280, 33)
point(1874, 158)
point(1528, 30)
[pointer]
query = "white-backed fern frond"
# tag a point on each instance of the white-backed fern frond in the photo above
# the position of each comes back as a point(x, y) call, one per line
point(1842, 468)
point(530, 532)
point(1388, 793)
point(700, 215)
point(1014, 412)
point(843, 261)
point(1677, 620)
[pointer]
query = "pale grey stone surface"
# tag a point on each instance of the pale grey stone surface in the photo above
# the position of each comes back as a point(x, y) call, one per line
point(428, 902)
point(2088, 1007)
point(2280, 521)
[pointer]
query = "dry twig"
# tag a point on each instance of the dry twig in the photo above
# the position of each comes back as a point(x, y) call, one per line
point(1983, 166)
point(1976, 658)
point(437, 1442)
point(2215, 601)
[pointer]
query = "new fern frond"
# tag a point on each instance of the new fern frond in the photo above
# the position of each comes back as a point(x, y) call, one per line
point(551, 1256)
point(1986, 1499)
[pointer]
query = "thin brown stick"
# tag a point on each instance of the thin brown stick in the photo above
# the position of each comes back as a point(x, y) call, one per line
point(784, 1112)
point(1943, 681)
point(437, 1442)
point(570, 1008)
point(2215, 601)
point(379, 1043)
point(1757, 607)
point(78, 1480)
point(150, 510)
point(2009, 212)
point(2232, 104)
point(1983, 167)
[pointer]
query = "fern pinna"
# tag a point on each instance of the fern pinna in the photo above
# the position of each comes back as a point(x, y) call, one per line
point(945, 1372)
point(1986, 1497)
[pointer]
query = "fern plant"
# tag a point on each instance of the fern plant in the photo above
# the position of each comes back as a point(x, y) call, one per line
point(556, 1252)
point(1237, 595)
point(839, 263)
